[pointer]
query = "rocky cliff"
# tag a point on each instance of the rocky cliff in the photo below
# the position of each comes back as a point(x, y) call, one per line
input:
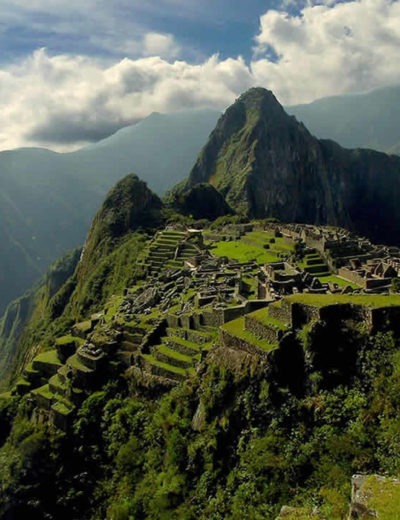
point(267, 164)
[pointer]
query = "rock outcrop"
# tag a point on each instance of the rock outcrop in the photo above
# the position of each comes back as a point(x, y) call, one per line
point(202, 201)
point(374, 496)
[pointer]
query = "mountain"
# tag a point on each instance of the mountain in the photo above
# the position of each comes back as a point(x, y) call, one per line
point(48, 199)
point(149, 389)
point(267, 164)
point(82, 280)
point(25, 318)
point(367, 120)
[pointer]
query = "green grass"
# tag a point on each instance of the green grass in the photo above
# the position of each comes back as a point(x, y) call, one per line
point(244, 252)
point(341, 282)
point(262, 316)
point(74, 362)
point(30, 370)
point(184, 342)
point(50, 358)
point(69, 338)
point(236, 328)
point(298, 513)
point(163, 349)
point(252, 282)
point(61, 408)
point(83, 326)
point(23, 382)
point(112, 307)
point(153, 361)
point(56, 381)
point(263, 236)
point(383, 497)
point(44, 391)
point(320, 300)
point(276, 243)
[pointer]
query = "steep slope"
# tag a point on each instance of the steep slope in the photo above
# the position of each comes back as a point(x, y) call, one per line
point(129, 207)
point(267, 164)
point(25, 318)
point(367, 120)
point(80, 283)
point(48, 199)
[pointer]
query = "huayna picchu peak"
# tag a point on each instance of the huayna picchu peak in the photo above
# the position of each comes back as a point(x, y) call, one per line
point(267, 164)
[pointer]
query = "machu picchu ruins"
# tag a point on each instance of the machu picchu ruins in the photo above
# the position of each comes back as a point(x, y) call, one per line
point(250, 287)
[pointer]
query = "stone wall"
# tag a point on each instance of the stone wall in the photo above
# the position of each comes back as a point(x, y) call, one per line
point(154, 336)
point(281, 312)
point(234, 342)
point(315, 243)
point(213, 318)
point(186, 321)
point(351, 276)
point(335, 312)
point(173, 321)
point(231, 313)
point(303, 314)
point(376, 283)
point(263, 331)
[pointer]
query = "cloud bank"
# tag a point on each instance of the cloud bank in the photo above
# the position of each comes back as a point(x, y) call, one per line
point(64, 101)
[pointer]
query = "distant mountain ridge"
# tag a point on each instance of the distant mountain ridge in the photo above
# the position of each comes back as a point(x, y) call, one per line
point(267, 164)
point(367, 120)
point(48, 199)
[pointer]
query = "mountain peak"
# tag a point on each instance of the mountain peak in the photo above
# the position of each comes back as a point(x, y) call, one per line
point(129, 205)
point(259, 97)
point(267, 164)
point(260, 103)
point(254, 131)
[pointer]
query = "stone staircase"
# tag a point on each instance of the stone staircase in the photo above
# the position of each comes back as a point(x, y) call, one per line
point(132, 338)
point(177, 353)
point(162, 250)
point(314, 264)
point(168, 249)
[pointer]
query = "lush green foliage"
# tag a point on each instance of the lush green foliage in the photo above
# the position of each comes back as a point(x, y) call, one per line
point(232, 443)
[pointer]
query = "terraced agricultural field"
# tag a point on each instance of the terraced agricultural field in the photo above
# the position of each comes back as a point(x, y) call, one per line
point(368, 300)
point(341, 282)
point(255, 245)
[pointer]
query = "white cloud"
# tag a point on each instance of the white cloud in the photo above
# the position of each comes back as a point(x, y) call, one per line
point(65, 101)
point(163, 45)
point(329, 48)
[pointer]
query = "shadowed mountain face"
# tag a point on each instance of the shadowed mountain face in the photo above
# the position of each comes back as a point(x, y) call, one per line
point(267, 164)
point(48, 199)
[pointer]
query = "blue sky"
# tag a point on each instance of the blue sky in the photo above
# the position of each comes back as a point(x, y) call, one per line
point(202, 28)
point(72, 71)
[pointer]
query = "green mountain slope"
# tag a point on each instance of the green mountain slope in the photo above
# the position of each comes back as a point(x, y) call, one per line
point(25, 319)
point(48, 199)
point(249, 426)
point(72, 290)
point(266, 164)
